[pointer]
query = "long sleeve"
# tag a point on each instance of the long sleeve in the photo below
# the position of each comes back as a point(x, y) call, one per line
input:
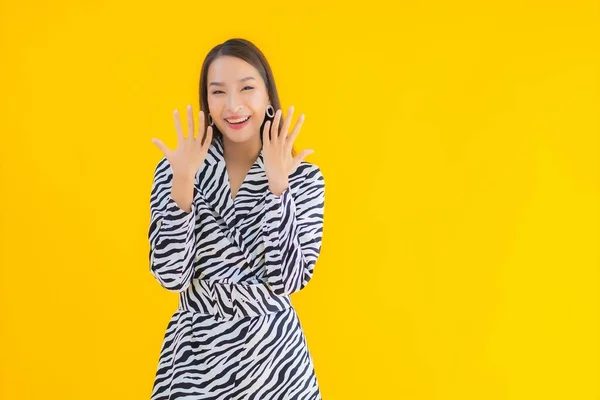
point(171, 234)
point(293, 232)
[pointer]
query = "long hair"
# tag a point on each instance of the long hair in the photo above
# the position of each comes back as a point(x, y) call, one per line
point(249, 52)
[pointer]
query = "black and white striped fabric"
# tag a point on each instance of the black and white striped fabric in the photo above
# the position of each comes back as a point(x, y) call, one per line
point(235, 263)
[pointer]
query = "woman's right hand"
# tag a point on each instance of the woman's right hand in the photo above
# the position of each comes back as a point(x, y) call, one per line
point(187, 158)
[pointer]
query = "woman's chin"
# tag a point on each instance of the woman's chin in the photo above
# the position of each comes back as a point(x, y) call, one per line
point(240, 136)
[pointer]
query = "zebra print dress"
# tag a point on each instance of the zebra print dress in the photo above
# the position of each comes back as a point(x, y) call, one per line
point(235, 262)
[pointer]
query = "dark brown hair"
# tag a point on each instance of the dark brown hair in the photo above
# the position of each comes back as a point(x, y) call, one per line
point(249, 52)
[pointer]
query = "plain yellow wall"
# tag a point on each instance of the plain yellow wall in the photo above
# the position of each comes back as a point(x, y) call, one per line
point(460, 146)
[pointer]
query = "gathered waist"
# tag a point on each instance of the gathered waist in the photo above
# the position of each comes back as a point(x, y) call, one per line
point(228, 299)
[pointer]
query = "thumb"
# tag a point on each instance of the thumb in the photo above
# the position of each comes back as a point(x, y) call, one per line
point(300, 157)
point(303, 155)
point(161, 146)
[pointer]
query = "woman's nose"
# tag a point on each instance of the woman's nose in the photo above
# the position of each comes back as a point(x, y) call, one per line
point(233, 102)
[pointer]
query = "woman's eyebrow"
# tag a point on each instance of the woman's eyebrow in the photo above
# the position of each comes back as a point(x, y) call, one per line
point(222, 84)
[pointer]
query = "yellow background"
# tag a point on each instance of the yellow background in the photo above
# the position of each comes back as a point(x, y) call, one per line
point(460, 146)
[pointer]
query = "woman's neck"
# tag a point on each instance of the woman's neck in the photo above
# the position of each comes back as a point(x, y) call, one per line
point(244, 153)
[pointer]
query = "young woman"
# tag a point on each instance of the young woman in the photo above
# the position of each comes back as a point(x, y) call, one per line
point(236, 228)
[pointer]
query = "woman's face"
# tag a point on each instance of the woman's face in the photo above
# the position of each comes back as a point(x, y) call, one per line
point(236, 92)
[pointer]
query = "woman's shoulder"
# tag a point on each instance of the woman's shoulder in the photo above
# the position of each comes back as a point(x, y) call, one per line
point(162, 169)
point(307, 174)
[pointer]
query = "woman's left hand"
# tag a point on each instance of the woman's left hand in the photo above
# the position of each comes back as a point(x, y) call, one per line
point(277, 151)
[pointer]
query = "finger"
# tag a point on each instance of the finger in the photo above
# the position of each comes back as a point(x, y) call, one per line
point(190, 117)
point(300, 157)
point(266, 136)
point(275, 128)
point(207, 139)
point(200, 134)
point(287, 122)
point(161, 146)
point(292, 136)
point(178, 126)
point(304, 153)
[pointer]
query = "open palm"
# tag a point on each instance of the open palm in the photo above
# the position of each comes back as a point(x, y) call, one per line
point(277, 148)
point(191, 151)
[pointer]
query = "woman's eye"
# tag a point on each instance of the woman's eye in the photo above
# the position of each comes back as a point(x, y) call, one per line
point(220, 91)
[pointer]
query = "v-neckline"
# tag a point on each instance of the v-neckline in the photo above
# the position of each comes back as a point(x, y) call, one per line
point(256, 164)
point(216, 187)
point(228, 183)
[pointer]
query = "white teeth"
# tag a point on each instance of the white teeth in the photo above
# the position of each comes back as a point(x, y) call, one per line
point(236, 121)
